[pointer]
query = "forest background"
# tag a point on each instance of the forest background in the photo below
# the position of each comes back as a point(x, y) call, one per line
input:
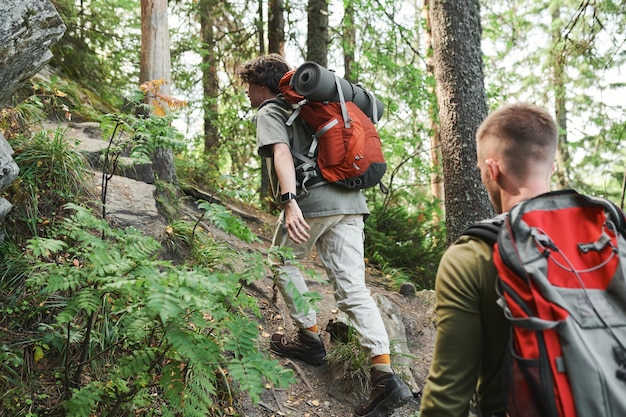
point(564, 55)
point(438, 67)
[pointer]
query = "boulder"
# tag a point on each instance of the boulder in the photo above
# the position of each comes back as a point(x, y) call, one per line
point(27, 30)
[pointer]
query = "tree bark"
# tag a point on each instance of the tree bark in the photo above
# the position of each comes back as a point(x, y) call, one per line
point(456, 40)
point(436, 178)
point(210, 86)
point(348, 41)
point(155, 64)
point(317, 32)
point(276, 27)
point(155, 44)
point(561, 174)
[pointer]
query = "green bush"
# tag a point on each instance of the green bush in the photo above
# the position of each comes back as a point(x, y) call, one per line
point(126, 325)
point(409, 244)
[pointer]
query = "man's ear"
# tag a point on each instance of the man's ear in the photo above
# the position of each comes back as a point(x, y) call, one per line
point(493, 168)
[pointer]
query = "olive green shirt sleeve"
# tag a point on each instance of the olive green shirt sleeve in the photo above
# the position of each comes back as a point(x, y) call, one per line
point(471, 334)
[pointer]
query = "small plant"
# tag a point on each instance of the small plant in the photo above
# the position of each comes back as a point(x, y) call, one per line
point(15, 121)
point(51, 166)
point(351, 355)
point(52, 174)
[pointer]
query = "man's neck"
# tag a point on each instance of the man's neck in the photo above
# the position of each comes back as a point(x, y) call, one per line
point(524, 193)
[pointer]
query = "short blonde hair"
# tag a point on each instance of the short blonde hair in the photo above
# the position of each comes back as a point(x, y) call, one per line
point(524, 135)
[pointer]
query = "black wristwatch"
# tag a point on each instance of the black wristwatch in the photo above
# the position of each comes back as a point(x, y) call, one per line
point(286, 197)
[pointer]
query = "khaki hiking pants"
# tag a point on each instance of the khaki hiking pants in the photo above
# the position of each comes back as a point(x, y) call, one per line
point(339, 243)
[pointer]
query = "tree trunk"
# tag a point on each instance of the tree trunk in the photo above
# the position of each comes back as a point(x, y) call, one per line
point(155, 64)
point(210, 84)
point(558, 68)
point(436, 177)
point(276, 27)
point(348, 40)
point(317, 34)
point(456, 40)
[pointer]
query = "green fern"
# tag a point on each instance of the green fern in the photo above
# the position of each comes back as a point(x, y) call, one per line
point(221, 217)
point(123, 316)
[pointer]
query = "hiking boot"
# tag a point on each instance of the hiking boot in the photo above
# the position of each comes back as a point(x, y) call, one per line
point(388, 393)
point(305, 348)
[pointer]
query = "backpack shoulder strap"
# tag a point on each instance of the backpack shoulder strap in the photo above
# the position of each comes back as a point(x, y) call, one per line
point(279, 100)
point(486, 230)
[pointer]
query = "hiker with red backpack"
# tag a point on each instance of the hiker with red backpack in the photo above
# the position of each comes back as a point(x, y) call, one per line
point(328, 216)
point(531, 305)
point(515, 148)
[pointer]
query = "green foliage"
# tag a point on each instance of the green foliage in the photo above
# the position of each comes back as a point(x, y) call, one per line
point(49, 164)
point(100, 48)
point(52, 173)
point(350, 355)
point(409, 241)
point(16, 120)
point(128, 324)
point(221, 217)
point(144, 133)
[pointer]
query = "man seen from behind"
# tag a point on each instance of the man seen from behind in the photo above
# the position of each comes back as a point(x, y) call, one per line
point(515, 148)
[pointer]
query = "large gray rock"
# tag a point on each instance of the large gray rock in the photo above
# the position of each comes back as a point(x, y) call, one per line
point(8, 173)
point(27, 30)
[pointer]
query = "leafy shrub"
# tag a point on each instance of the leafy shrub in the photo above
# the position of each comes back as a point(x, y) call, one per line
point(409, 242)
point(51, 174)
point(127, 324)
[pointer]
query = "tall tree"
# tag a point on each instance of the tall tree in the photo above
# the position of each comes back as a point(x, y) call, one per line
point(348, 41)
point(210, 85)
point(276, 44)
point(155, 64)
point(457, 56)
point(317, 32)
point(276, 27)
point(560, 102)
point(436, 177)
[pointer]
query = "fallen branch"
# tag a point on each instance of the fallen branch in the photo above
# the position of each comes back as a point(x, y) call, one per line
point(301, 373)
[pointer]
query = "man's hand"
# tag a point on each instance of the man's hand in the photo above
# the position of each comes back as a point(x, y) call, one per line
point(297, 227)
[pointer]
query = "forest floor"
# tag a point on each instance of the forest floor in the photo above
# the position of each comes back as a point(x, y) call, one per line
point(329, 390)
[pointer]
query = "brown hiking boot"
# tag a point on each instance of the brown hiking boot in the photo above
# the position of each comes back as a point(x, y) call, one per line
point(305, 348)
point(388, 393)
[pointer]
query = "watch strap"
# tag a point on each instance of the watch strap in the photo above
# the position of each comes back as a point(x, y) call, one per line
point(286, 197)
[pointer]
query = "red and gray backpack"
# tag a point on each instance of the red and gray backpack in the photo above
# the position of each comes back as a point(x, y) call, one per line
point(561, 261)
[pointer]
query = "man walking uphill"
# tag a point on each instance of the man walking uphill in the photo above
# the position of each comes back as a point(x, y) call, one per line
point(330, 218)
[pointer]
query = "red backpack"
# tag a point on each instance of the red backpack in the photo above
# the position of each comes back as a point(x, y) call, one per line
point(346, 147)
point(561, 260)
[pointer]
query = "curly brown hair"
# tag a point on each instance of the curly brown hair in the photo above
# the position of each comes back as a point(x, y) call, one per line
point(265, 70)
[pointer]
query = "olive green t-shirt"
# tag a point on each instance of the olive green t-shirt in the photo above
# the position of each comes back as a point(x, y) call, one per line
point(324, 200)
point(472, 334)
